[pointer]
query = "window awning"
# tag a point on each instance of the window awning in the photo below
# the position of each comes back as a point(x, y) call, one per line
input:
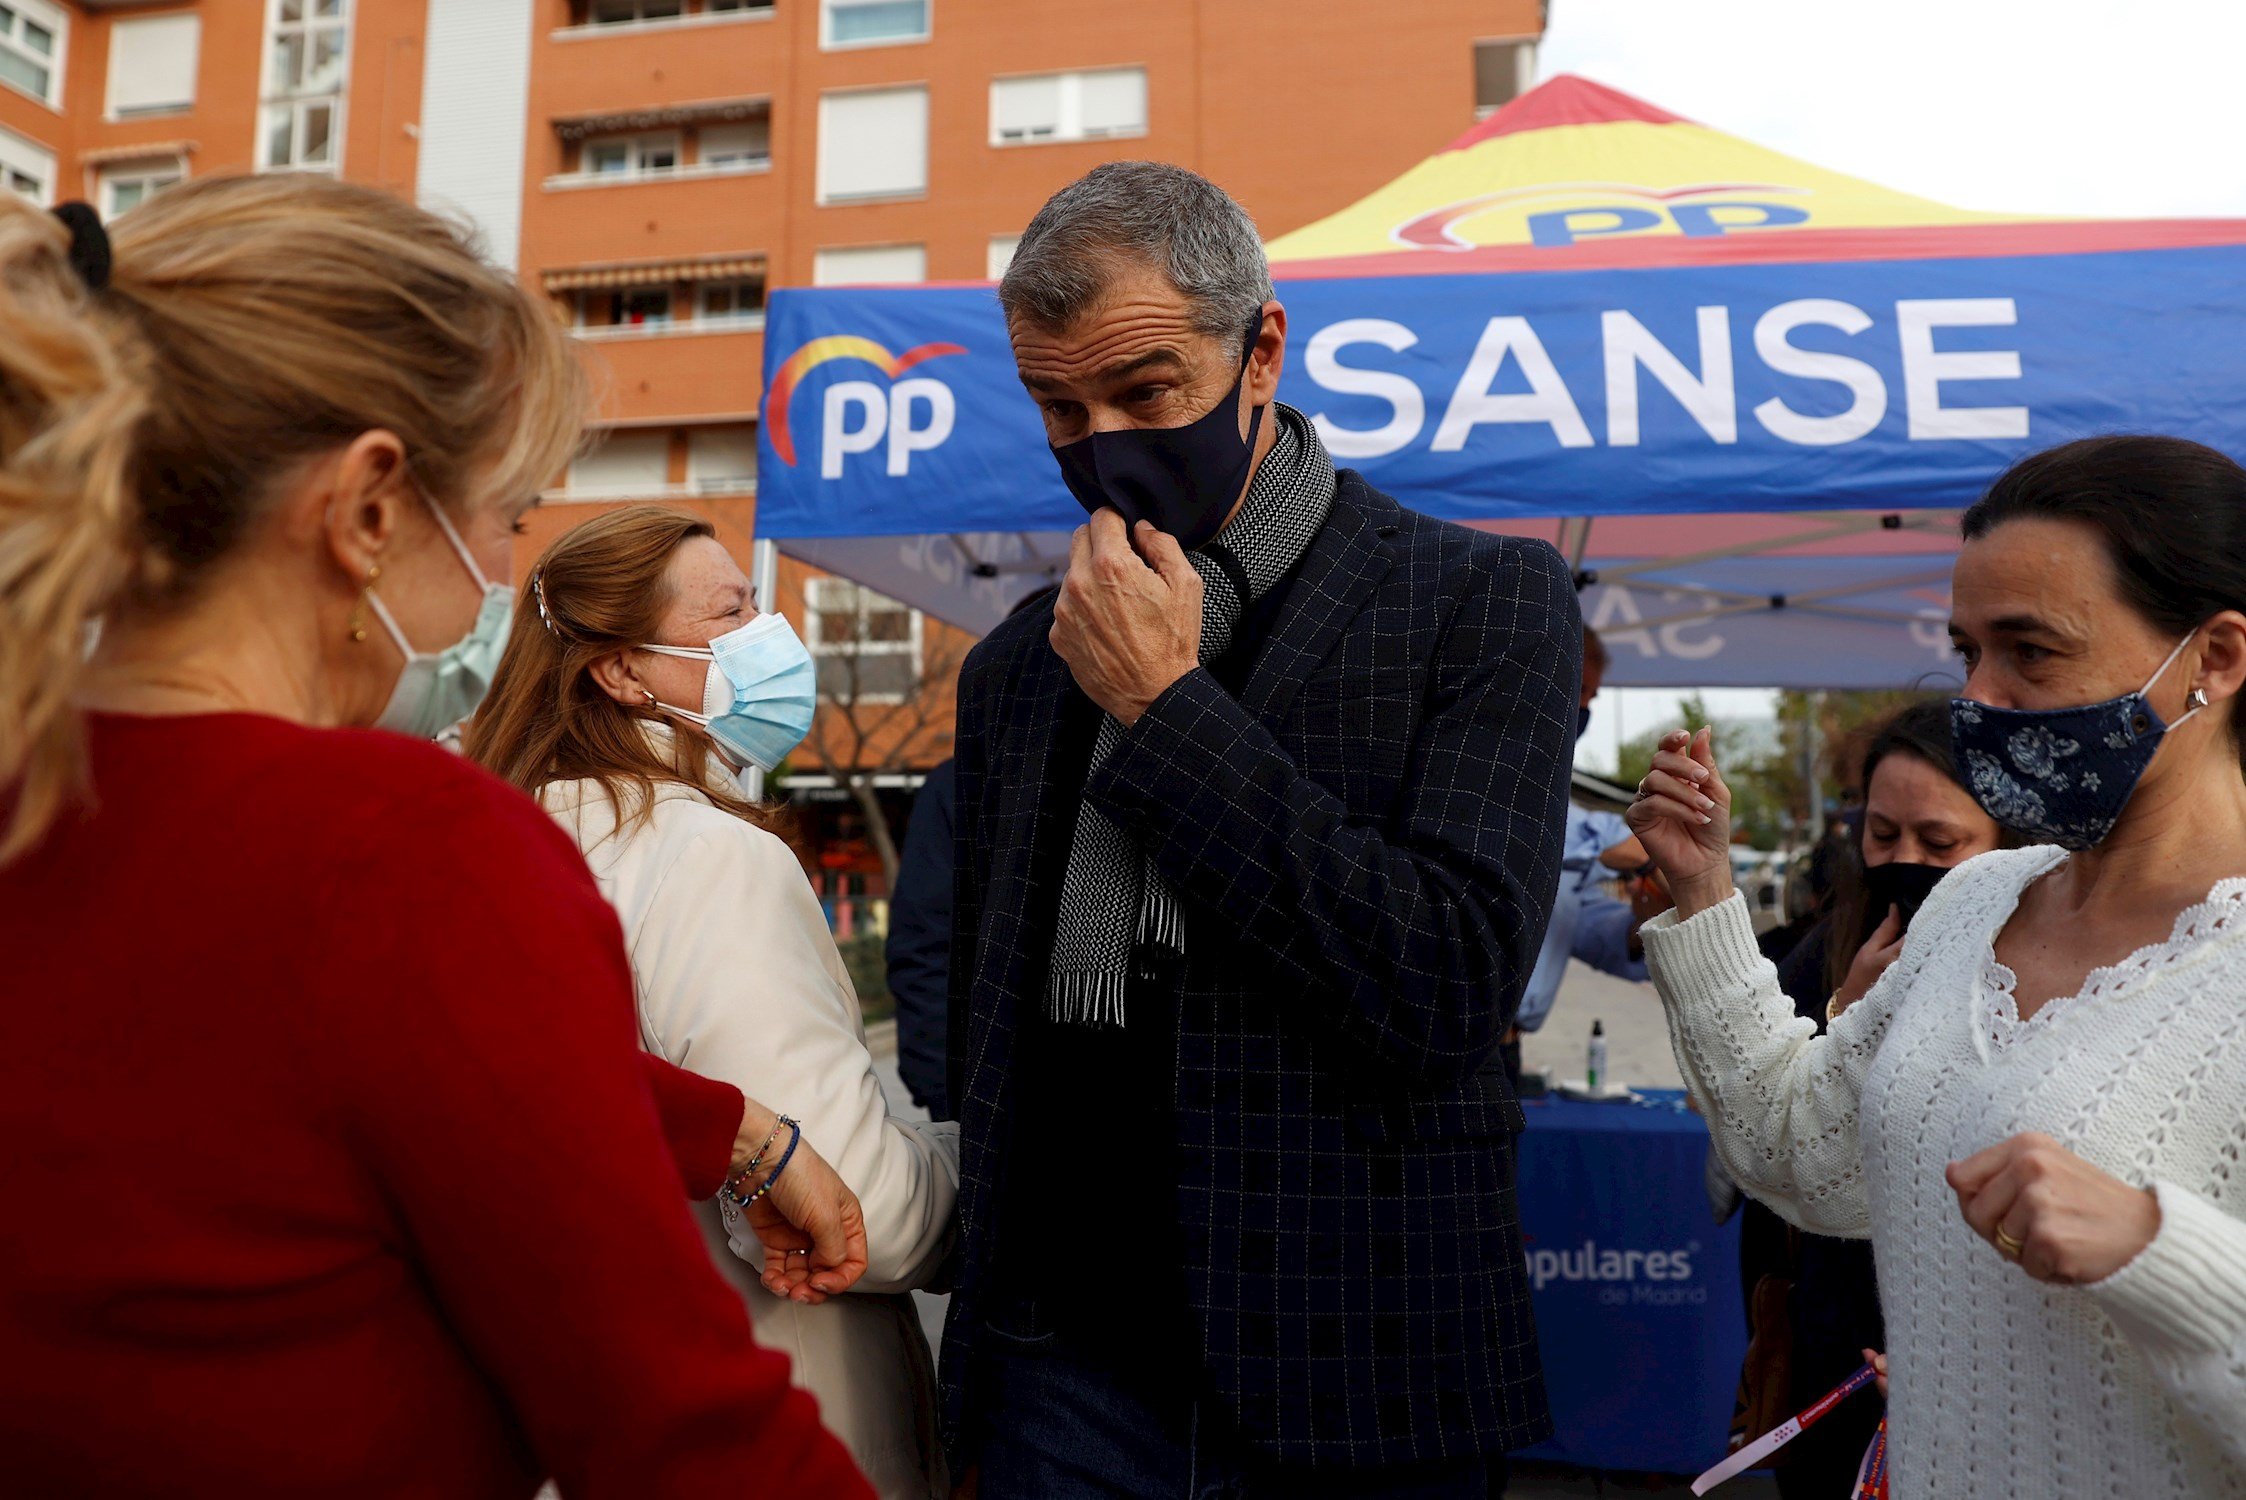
point(704, 112)
point(148, 151)
point(652, 273)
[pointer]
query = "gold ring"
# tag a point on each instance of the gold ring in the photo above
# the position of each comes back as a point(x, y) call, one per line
point(2007, 1246)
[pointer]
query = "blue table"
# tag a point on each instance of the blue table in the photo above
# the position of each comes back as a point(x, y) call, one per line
point(1636, 1288)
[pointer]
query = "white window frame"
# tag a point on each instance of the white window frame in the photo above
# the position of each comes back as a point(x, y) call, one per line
point(636, 149)
point(911, 646)
point(1000, 245)
point(583, 30)
point(637, 19)
point(731, 485)
point(826, 196)
point(744, 163)
point(1525, 69)
point(24, 157)
point(56, 22)
point(827, 43)
point(754, 318)
point(1068, 127)
point(109, 109)
point(140, 169)
point(272, 95)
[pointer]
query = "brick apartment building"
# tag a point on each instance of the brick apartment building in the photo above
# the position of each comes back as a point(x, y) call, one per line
point(655, 166)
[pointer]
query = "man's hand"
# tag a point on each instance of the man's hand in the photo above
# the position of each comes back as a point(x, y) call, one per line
point(1128, 625)
point(2062, 1219)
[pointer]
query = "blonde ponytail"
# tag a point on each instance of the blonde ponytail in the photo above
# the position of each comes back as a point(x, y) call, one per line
point(72, 397)
point(249, 324)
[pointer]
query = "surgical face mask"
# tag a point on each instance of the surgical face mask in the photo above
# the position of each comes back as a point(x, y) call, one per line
point(438, 689)
point(1184, 479)
point(759, 694)
point(2061, 775)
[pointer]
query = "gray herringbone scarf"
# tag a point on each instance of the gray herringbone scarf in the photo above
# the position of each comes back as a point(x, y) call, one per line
point(1112, 898)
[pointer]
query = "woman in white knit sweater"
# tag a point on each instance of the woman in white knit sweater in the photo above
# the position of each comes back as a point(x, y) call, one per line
point(2038, 1112)
point(606, 709)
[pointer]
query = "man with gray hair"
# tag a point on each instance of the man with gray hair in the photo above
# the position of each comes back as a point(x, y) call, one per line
point(1258, 827)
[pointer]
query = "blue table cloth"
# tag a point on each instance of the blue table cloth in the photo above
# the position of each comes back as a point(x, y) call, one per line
point(1636, 1288)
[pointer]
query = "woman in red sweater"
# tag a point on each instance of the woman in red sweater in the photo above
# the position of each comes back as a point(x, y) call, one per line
point(332, 1166)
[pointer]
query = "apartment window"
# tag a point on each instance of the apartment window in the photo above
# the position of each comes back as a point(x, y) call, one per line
point(631, 155)
point(1502, 70)
point(126, 186)
point(743, 146)
point(31, 33)
point(871, 23)
point(27, 168)
point(304, 77)
point(873, 143)
point(870, 265)
point(1068, 106)
point(867, 645)
point(736, 7)
point(722, 460)
point(152, 64)
point(626, 464)
point(1000, 255)
point(729, 302)
point(629, 12)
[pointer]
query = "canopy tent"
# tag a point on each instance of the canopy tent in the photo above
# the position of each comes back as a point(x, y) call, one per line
point(1745, 395)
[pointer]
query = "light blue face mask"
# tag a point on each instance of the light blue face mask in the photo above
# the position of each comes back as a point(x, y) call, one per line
point(759, 694)
point(438, 689)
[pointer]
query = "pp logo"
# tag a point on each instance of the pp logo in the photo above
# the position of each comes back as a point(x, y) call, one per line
point(858, 416)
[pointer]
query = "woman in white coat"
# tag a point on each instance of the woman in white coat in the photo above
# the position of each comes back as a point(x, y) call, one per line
point(638, 679)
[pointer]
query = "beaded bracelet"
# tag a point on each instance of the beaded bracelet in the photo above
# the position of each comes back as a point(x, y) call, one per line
point(757, 1160)
point(741, 1200)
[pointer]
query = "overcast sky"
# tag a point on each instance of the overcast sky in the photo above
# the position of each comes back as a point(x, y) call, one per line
point(2059, 106)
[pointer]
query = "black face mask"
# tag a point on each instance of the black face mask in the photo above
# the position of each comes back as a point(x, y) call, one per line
point(1582, 720)
point(1898, 884)
point(1183, 479)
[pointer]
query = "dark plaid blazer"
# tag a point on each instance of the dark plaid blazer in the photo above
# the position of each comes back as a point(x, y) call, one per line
point(1365, 845)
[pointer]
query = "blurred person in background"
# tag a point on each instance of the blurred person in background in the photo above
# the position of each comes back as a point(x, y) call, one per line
point(1918, 822)
point(1588, 923)
point(332, 1167)
point(2035, 1110)
point(639, 681)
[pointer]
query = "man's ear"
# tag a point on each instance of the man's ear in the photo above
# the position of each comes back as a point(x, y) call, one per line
point(619, 678)
point(1270, 356)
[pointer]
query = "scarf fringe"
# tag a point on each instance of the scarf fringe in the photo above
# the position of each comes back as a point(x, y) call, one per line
point(1088, 998)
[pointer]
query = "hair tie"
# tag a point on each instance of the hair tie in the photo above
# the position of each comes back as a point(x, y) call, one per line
point(89, 244)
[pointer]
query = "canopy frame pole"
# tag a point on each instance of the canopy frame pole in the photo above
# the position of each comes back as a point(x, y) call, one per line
point(764, 588)
point(1813, 602)
point(1856, 526)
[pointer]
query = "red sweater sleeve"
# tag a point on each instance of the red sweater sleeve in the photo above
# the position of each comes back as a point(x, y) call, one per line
point(701, 1116)
point(481, 1047)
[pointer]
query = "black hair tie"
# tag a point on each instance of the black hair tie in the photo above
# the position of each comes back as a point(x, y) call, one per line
point(89, 244)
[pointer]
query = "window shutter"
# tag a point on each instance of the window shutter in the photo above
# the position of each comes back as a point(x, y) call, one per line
point(873, 144)
point(628, 463)
point(1025, 109)
point(870, 265)
point(152, 63)
point(1114, 102)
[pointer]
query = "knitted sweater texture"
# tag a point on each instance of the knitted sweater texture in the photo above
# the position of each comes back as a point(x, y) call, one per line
point(2134, 1386)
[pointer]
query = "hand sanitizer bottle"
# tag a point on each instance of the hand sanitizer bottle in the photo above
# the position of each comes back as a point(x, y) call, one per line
point(1595, 1058)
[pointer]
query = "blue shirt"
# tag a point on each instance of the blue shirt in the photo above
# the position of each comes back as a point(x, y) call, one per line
point(1587, 923)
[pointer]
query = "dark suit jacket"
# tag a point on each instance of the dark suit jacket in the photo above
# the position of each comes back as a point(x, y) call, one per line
point(919, 947)
point(1365, 846)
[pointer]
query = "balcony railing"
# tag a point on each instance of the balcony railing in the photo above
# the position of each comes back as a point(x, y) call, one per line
point(610, 494)
point(611, 333)
point(570, 181)
point(661, 23)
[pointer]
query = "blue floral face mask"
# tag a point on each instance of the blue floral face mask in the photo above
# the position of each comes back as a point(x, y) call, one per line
point(2060, 775)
